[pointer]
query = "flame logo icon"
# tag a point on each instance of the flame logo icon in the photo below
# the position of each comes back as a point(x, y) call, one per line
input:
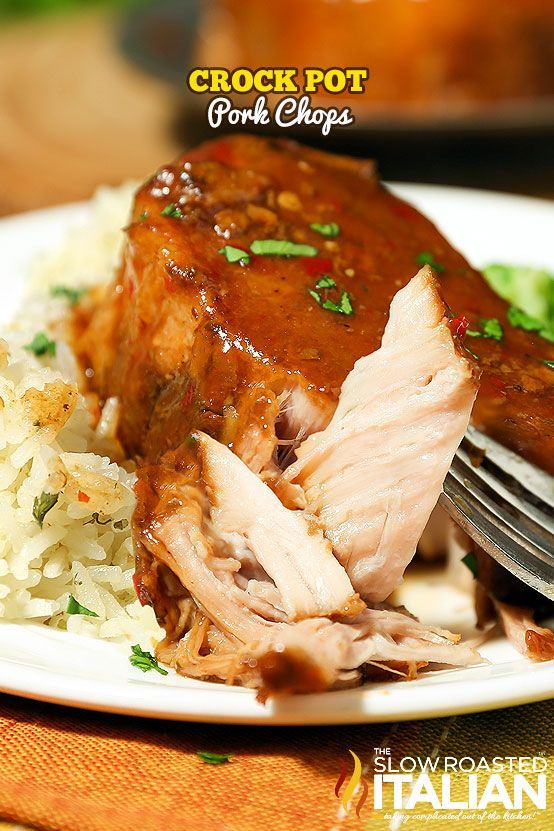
point(355, 781)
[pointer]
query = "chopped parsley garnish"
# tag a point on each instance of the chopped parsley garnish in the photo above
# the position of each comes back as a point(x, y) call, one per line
point(490, 328)
point(173, 211)
point(75, 608)
point(470, 561)
point(70, 294)
point(427, 258)
point(343, 307)
point(41, 345)
point(145, 661)
point(521, 320)
point(549, 364)
point(326, 282)
point(143, 216)
point(235, 255)
point(213, 758)
point(282, 248)
point(42, 504)
point(327, 229)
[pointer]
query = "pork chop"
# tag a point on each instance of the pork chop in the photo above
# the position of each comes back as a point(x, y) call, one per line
point(190, 340)
point(277, 609)
point(375, 473)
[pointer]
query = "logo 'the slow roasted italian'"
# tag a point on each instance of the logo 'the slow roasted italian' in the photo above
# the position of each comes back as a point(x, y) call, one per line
point(356, 787)
point(474, 787)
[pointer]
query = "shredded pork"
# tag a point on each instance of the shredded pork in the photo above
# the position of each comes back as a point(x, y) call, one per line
point(272, 569)
point(374, 475)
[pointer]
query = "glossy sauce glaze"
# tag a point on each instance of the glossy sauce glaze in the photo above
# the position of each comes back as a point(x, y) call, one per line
point(188, 339)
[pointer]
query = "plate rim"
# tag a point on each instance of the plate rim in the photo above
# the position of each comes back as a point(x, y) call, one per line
point(130, 695)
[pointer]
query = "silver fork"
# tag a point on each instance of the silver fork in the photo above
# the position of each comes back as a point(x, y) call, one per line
point(506, 505)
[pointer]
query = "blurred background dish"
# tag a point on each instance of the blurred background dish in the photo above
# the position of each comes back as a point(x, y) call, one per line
point(461, 92)
point(94, 92)
point(449, 57)
point(441, 64)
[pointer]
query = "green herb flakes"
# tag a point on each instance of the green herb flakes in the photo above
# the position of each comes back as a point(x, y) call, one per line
point(343, 307)
point(172, 210)
point(41, 345)
point(235, 255)
point(42, 504)
point(427, 258)
point(75, 608)
point(145, 661)
point(72, 295)
point(282, 248)
point(143, 216)
point(213, 758)
point(549, 364)
point(470, 561)
point(326, 282)
point(328, 229)
point(490, 328)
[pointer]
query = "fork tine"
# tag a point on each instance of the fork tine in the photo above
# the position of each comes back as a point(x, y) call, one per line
point(503, 542)
point(506, 505)
point(527, 476)
point(538, 519)
point(541, 545)
point(533, 535)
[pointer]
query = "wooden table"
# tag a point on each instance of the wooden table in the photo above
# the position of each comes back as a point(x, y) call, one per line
point(73, 112)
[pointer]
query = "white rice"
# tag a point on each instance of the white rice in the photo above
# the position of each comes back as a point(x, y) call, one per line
point(48, 445)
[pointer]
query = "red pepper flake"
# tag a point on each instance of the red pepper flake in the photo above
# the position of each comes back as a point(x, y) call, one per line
point(188, 397)
point(458, 325)
point(83, 497)
point(142, 594)
point(316, 266)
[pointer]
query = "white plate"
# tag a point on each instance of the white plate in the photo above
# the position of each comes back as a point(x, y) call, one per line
point(39, 663)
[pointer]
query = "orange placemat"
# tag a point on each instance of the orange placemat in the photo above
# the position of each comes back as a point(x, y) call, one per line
point(68, 770)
